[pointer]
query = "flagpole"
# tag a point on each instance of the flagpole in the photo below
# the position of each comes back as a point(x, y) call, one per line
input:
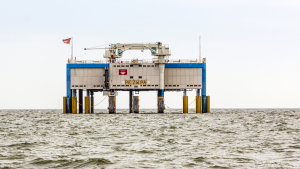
point(71, 49)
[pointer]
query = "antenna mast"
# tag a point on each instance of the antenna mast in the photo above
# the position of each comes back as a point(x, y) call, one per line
point(199, 49)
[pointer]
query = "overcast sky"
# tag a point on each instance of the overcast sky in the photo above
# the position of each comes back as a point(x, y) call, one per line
point(252, 47)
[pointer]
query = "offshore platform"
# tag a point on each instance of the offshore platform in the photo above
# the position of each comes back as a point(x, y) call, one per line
point(115, 74)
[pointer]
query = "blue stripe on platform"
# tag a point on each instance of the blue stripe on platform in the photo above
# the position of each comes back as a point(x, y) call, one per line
point(184, 65)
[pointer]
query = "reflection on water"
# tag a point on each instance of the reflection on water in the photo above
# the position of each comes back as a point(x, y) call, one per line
point(225, 138)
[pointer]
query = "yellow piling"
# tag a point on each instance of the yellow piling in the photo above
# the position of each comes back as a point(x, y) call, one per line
point(208, 104)
point(74, 105)
point(185, 104)
point(198, 104)
point(65, 104)
point(87, 104)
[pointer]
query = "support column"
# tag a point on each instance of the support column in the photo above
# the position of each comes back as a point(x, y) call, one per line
point(208, 104)
point(69, 91)
point(161, 75)
point(198, 101)
point(161, 100)
point(74, 101)
point(136, 105)
point(64, 104)
point(130, 101)
point(185, 102)
point(92, 101)
point(80, 101)
point(87, 102)
point(161, 104)
point(112, 104)
point(203, 92)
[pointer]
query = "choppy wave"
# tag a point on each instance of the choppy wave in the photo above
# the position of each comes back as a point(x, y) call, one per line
point(225, 138)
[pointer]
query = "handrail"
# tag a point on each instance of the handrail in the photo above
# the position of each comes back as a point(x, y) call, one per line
point(120, 61)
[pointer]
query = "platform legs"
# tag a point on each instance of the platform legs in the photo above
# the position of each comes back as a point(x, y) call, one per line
point(161, 104)
point(65, 104)
point(203, 90)
point(112, 104)
point(185, 102)
point(198, 101)
point(160, 101)
point(87, 104)
point(198, 104)
point(80, 101)
point(208, 103)
point(92, 101)
point(74, 103)
point(130, 102)
point(136, 105)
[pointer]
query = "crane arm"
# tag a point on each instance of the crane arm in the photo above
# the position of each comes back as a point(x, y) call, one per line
point(116, 50)
point(94, 48)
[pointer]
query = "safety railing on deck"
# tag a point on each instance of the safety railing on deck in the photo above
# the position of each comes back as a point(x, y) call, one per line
point(91, 61)
point(134, 61)
point(183, 61)
point(120, 61)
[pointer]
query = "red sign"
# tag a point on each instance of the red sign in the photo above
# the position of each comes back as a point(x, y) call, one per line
point(122, 71)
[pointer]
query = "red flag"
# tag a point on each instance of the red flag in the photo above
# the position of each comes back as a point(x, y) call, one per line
point(67, 41)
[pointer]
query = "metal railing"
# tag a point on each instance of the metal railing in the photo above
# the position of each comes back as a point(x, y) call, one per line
point(120, 61)
point(91, 61)
point(135, 61)
point(184, 61)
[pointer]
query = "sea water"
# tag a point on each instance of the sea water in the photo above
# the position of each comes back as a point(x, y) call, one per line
point(224, 138)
